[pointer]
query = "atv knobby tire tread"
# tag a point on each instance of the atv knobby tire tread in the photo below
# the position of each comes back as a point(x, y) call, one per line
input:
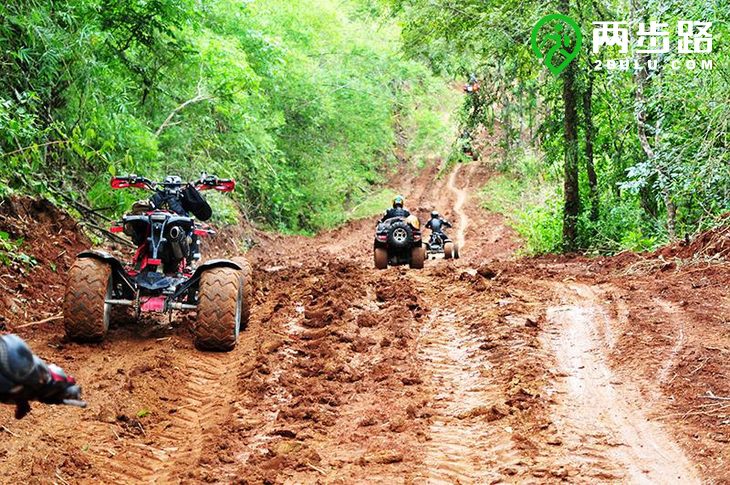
point(448, 250)
point(84, 301)
point(381, 258)
point(456, 251)
point(418, 255)
point(402, 225)
point(220, 294)
point(247, 289)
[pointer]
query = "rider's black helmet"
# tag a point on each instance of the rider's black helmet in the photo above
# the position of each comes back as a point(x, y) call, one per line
point(434, 215)
point(398, 201)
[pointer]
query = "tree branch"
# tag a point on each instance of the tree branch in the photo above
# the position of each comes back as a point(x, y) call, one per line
point(196, 99)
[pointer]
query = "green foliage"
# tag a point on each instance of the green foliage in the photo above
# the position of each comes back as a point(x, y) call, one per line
point(373, 204)
point(530, 197)
point(531, 205)
point(301, 102)
point(686, 115)
point(143, 413)
point(621, 226)
point(10, 253)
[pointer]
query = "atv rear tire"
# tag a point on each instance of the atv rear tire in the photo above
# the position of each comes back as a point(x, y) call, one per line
point(400, 234)
point(381, 258)
point(220, 309)
point(247, 289)
point(448, 250)
point(418, 255)
point(456, 251)
point(86, 314)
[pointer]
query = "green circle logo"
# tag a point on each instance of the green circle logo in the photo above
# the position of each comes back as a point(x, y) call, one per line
point(556, 39)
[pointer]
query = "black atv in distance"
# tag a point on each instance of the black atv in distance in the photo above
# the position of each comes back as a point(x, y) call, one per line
point(398, 242)
point(441, 244)
point(163, 275)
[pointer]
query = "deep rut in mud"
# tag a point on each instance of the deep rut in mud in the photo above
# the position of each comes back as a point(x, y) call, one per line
point(483, 370)
point(461, 449)
point(179, 445)
point(600, 418)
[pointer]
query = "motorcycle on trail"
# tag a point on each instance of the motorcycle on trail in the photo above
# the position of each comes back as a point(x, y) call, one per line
point(398, 242)
point(164, 274)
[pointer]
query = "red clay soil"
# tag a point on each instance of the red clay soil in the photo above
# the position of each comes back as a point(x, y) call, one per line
point(480, 370)
point(53, 239)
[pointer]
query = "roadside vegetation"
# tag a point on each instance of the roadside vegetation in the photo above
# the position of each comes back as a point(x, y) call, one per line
point(597, 161)
point(302, 102)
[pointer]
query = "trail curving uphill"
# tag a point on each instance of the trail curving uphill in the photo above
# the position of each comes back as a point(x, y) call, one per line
point(484, 369)
point(461, 198)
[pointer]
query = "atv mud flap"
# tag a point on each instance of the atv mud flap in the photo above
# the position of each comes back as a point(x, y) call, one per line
point(129, 287)
point(195, 278)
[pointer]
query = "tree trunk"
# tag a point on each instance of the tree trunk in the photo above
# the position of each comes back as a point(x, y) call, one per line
point(570, 134)
point(589, 130)
point(642, 80)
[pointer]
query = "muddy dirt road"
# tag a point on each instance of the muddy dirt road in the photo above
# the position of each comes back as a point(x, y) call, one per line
point(487, 369)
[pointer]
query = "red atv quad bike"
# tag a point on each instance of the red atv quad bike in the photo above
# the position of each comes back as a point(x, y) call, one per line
point(163, 275)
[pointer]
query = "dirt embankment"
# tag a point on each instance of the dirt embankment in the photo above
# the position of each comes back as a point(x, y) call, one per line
point(485, 369)
point(52, 239)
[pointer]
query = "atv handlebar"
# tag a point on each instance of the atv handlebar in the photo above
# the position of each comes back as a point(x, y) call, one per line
point(212, 182)
point(133, 181)
point(206, 182)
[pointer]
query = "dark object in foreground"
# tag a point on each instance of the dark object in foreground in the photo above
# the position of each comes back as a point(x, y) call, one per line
point(24, 377)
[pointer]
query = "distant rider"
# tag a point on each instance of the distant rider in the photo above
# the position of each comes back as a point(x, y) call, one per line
point(436, 223)
point(397, 210)
point(473, 85)
point(24, 377)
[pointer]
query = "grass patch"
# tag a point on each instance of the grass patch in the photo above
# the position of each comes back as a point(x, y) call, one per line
point(373, 204)
point(532, 209)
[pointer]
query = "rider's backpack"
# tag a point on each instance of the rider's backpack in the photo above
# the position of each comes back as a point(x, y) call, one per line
point(194, 202)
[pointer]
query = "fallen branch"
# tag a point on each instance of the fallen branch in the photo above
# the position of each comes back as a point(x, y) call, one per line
point(712, 413)
point(710, 395)
point(88, 210)
point(39, 322)
point(107, 234)
point(316, 469)
point(36, 145)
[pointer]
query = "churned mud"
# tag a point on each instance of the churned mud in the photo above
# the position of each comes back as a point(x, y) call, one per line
point(491, 368)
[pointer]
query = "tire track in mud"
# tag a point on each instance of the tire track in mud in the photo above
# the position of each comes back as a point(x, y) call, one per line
point(179, 442)
point(461, 198)
point(462, 448)
point(605, 431)
point(679, 341)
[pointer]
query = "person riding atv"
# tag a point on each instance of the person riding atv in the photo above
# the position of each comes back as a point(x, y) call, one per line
point(180, 198)
point(472, 86)
point(397, 210)
point(164, 275)
point(436, 223)
point(439, 242)
point(24, 377)
point(398, 238)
